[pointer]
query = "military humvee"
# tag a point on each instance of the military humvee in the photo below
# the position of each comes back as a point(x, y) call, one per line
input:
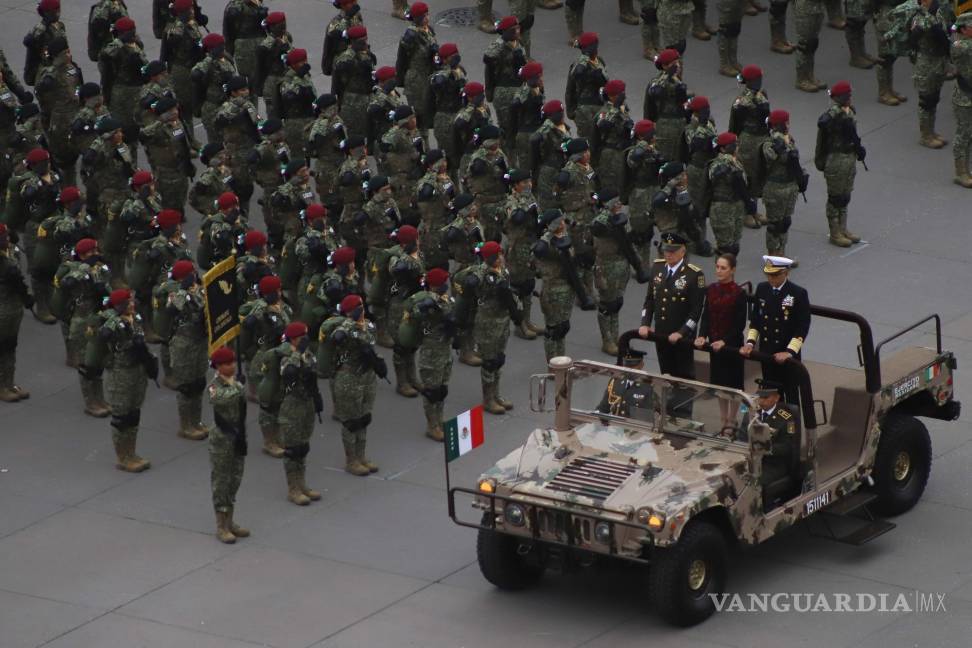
point(677, 479)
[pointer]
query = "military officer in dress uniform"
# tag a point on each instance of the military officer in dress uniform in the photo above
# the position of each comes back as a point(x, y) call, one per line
point(673, 306)
point(779, 322)
point(784, 442)
point(629, 397)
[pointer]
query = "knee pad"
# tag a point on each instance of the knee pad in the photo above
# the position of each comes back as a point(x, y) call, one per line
point(117, 421)
point(436, 393)
point(558, 331)
point(8, 344)
point(525, 288)
point(272, 409)
point(731, 30)
point(839, 200)
point(856, 24)
point(808, 46)
point(649, 15)
point(886, 60)
point(779, 227)
point(297, 452)
point(126, 420)
point(778, 9)
point(610, 307)
point(495, 363)
point(928, 101)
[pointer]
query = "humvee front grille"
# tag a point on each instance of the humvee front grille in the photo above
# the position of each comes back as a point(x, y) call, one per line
point(591, 477)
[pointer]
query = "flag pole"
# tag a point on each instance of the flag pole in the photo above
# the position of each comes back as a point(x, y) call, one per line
point(450, 503)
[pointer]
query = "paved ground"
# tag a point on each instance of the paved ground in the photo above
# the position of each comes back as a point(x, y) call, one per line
point(92, 557)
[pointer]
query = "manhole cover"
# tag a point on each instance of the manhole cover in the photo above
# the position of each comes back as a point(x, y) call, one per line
point(460, 17)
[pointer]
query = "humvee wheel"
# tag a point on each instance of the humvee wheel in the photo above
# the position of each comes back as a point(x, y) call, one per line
point(902, 464)
point(502, 564)
point(683, 576)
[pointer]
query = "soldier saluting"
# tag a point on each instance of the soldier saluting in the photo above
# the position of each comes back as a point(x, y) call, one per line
point(780, 321)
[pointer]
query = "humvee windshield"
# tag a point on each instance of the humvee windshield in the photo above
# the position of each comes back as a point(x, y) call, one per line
point(665, 405)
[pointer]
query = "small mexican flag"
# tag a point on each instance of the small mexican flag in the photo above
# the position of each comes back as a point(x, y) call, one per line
point(932, 372)
point(463, 433)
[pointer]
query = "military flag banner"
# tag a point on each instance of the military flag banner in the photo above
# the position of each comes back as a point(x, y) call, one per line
point(222, 303)
point(463, 433)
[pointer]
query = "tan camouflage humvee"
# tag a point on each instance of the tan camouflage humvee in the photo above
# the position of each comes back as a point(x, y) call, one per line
point(677, 478)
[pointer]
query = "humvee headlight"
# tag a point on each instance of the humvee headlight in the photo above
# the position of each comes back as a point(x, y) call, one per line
point(514, 514)
point(602, 532)
point(654, 521)
point(487, 486)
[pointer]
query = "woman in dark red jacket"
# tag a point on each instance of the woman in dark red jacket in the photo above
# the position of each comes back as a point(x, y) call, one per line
point(724, 324)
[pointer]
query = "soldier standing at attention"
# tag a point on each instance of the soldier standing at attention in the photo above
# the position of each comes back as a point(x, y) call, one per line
point(464, 237)
point(809, 20)
point(642, 162)
point(38, 38)
point(547, 151)
point(163, 15)
point(385, 98)
point(431, 324)
point(353, 385)
point(665, 99)
point(929, 30)
point(106, 167)
point(747, 119)
point(352, 80)
point(405, 270)
point(91, 107)
point(215, 180)
point(503, 59)
point(227, 443)
point(209, 78)
point(377, 220)
point(300, 400)
point(673, 307)
point(785, 178)
point(181, 51)
point(57, 86)
point(576, 184)
point(484, 180)
point(171, 148)
point(296, 100)
point(400, 152)
point(265, 162)
point(522, 213)
point(118, 344)
point(413, 67)
point(727, 40)
point(674, 211)
point(83, 284)
point(335, 34)
point(445, 97)
point(271, 59)
point(612, 136)
point(158, 84)
point(779, 322)
point(729, 199)
point(39, 188)
point(884, 20)
point(474, 115)
point(101, 17)
point(674, 22)
point(14, 299)
point(777, 24)
point(585, 78)
point(323, 138)
point(614, 254)
point(243, 29)
point(236, 126)
point(120, 64)
point(962, 98)
point(526, 115)
point(837, 153)
point(696, 150)
point(554, 258)
point(433, 193)
point(858, 13)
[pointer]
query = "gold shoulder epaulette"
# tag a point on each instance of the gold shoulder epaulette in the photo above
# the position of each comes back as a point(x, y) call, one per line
point(785, 415)
point(695, 267)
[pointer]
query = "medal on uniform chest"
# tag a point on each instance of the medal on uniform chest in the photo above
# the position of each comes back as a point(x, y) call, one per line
point(681, 283)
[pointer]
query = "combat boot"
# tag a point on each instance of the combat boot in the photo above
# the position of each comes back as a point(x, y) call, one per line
point(399, 9)
point(626, 12)
point(187, 427)
point(962, 176)
point(699, 32)
point(928, 138)
point(127, 460)
point(849, 235)
point(91, 405)
point(837, 236)
point(359, 452)
point(42, 296)
point(402, 386)
point(507, 405)
point(886, 95)
point(138, 463)
point(805, 82)
point(749, 220)
point(778, 41)
point(726, 67)
point(411, 370)
point(294, 493)
point(8, 395)
point(311, 494)
point(169, 382)
point(523, 331)
point(858, 54)
point(490, 404)
point(760, 218)
point(223, 531)
point(238, 531)
point(271, 445)
point(435, 432)
point(351, 462)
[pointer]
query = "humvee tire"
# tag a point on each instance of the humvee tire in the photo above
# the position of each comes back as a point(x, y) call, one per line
point(902, 464)
point(502, 565)
point(698, 559)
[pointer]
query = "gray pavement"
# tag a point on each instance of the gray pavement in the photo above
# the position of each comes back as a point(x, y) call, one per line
point(92, 557)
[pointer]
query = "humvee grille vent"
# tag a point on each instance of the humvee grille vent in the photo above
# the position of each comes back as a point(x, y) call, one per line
point(591, 477)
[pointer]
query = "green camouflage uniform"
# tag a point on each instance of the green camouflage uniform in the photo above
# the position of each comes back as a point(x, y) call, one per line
point(171, 147)
point(727, 201)
point(930, 35)
point(674, 21)
point(554, 259)
point(81, 287)
point(665, 99)
point(126, 231)
point(352, 83)
point(380, 106)
point(730, 26)
point(612, 135)
point(582, 99)
point(503, 61)
point(300, 400)
point(484, 180)
point(39, 197)
point(643, 162)
point(350, 178)
point(188, 347)
point(808, 18)
point(321, 295)
point(148, 94)
point(262, 326)
point(334, 41)
point(747, 119)
point(527, 117)
point(57, 85)
point(405, 272)
point(236, 121)
point(323, 145)
point(781, 159)
point(496, 306)
point(9, 103)
point(576, 183)
point(243, 32)
point(649, 27)
point(433, 193)
point(524, 9)
point(962, 101)
point(521, 233)
point(311, 250)
point(106, 169)
point(121, 66)
point(101, 18)
point(353, 386)
point(837, 152)
point(208, 77)
point(287, 202)
point(36, 42)
point(413, 66)
point(445, 97)
point(696, 151)
point(250, 269)
point(381, 219)
point(265, 161)
point(272, 67)
point(208, 187)
point(83, 128)
point(297, 95)
point(219, 239)
point(227, 441)
point(182, 50)
point(430, 318)
point(883, 22)
point(611, 274)
point(468, 120)
point(399, 159)
point(14, 298)
point(462, 236)
point(547, 159)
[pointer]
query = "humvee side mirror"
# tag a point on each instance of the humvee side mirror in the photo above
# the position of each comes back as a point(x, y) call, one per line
point(538, 392)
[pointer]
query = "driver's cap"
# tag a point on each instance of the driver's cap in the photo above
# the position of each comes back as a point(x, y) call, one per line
point(633, 358)
point(775, 264)
point(768, 388)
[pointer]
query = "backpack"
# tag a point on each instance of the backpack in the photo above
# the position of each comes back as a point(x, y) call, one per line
point(162, 319)
point(268, 391)
point(327, 351)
